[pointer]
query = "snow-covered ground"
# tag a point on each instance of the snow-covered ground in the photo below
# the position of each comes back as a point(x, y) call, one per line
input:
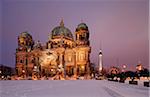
point(68, 88)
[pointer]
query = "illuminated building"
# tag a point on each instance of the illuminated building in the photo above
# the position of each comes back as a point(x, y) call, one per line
point(114, 70)
point(62, 54)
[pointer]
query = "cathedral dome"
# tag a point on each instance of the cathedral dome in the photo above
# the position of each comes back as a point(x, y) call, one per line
point(82, 26)
point(61, 31)
point(25, 35)
point(25, 39)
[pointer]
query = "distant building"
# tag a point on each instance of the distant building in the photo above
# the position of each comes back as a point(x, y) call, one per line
point(61, 54)
point(5, 71)
point(139, 67)
point(114, 70)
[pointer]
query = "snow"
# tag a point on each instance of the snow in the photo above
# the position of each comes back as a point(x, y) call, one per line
point(70, 88)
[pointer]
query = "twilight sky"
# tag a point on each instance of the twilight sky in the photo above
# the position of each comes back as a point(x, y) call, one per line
point(120, 26)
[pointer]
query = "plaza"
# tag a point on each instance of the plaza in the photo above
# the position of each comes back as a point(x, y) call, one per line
point(70, 88)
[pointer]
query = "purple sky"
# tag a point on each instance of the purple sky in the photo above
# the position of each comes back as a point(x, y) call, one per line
point(120, 26)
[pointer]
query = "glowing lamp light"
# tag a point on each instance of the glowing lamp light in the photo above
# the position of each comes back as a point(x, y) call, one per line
point(52, 69)
point(100, 69)
point(124, 66)
point(35, 67)
point(82, 67)
point(23, 71)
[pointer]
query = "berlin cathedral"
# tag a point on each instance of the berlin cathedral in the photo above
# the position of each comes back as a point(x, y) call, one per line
point(62, 54)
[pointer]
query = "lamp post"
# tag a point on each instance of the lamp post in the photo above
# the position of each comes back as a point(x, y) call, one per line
point(124, 67)
point(24, 73)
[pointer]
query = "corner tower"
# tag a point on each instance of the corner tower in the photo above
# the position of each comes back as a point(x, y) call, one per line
point(82, 35)
point(24, 60)
point(82, 49)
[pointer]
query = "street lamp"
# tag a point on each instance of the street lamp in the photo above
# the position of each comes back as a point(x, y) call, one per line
point(23, 73)
point(35, 68)
point(124, 67)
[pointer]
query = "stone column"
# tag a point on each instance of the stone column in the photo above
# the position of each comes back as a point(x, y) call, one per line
point(88, 68)
point(61, 59)
point(75, 65)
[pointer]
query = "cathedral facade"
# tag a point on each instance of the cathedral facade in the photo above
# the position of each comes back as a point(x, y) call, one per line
point(62, 54)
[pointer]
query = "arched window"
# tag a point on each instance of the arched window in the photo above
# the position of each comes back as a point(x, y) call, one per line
point(21, 61)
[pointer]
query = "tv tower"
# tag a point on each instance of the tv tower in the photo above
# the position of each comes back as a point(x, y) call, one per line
point(100, 60)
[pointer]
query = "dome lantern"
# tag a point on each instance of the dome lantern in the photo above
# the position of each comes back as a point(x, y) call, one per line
point(62, 23)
